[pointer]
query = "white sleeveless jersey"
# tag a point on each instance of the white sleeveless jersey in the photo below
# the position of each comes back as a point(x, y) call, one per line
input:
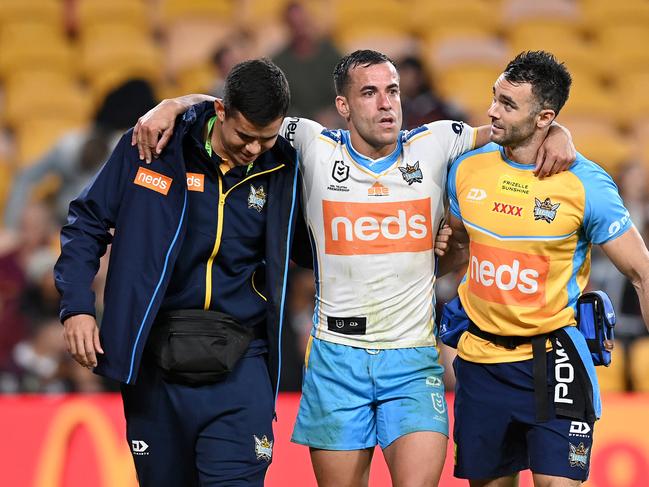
point(372, 225)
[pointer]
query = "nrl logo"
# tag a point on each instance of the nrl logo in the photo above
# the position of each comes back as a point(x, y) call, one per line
point(263, 448)
point(578, 456)
point(412, 174)
point(257, 198)
point(545, 210)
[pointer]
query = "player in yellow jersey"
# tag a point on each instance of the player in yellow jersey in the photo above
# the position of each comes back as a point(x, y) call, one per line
point(527, 394)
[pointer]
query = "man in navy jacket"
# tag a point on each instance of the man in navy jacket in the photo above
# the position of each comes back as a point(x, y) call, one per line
point(207, 226)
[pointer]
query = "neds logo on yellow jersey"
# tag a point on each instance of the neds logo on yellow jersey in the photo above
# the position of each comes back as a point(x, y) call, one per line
point(508, 277)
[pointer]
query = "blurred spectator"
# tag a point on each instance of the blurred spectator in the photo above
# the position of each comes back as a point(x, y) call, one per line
point(40, 299)
point(632, 182)
point(35, 364)
point(78, 155)
point(234, 49)
point(34, 234)
point(419, 101)
point(308, 61)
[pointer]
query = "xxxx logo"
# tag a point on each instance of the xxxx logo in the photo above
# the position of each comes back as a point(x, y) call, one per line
point(507, 209)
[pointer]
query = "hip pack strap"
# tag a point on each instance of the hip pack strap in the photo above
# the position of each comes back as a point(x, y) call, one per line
point(508, 342)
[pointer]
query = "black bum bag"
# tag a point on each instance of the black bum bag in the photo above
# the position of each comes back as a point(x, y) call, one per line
point(196, 347)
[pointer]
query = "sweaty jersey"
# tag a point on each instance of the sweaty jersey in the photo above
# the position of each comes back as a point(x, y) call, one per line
point(372, 225)
point(530, 244)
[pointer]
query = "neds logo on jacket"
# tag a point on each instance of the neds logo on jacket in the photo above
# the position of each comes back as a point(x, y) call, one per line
point(153, 180)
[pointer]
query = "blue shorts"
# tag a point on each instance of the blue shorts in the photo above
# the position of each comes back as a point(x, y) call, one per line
point(496, 433)
point(356, 398)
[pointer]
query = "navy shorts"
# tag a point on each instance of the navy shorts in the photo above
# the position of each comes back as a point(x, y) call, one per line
point(213, 435)
point(496, 433)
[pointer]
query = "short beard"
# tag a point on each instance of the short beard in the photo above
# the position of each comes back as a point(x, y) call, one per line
point(518, 134)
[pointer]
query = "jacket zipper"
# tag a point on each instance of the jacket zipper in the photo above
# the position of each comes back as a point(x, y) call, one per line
point(219, 231)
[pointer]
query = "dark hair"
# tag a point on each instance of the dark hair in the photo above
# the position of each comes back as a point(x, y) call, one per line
point(549, 78)
point(258, 90)
point(362, 58)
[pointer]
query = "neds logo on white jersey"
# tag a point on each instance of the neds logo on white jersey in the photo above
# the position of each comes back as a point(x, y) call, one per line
point(377, 228)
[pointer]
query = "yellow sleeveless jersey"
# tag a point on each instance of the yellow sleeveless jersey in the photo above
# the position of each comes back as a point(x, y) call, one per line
point(530, 244)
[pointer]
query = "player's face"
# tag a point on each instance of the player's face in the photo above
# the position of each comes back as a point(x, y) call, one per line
point(241, 141)
point(513, 113)
point(372, 105)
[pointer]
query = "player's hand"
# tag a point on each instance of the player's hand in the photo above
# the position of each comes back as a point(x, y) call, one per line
point(556, 154)
point(82, 339)
point(442, 240)
point(609, 345)
point(154, 129)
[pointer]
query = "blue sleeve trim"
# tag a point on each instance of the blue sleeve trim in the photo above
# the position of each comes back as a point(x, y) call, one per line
point(286, 266)
point(155, 292)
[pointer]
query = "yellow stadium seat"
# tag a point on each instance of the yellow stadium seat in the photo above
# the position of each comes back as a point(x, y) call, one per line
point(631, 94)
point(603, 14)
point(196, 79)
point(639, 364)
point(599, 140)
point(394, 45)
point(427, 18)
point(45, 98)
point(173, 10)
point(36, 136)
point(514, 11)
point(590, 99)
point(354, 20)
point(543, 34)
point(470, 87)
point(612, 378)
point(466, 50)
point(6, 176)
point(97, 12)
point(114, 53)
point(46, 10)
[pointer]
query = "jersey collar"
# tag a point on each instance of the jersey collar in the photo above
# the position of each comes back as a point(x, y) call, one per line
point(377, 166)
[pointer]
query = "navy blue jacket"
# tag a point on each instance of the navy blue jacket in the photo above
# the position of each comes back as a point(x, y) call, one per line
point(149, 231)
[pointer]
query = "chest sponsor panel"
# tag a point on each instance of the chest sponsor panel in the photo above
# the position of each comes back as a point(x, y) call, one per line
point(508, 277)
point(377, 228)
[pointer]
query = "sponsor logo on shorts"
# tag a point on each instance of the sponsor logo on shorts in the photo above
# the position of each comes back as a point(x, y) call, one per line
point(412, 174)
point(196, 182)
point(578, 456)
point(256, 198)
point(580, 429)
point(476, 194)
point(153, 180)
point(545, 210)
point(377, 189)
point(439, 403)
point(434, 381)
point(263, 448)
point(507, 209)
point(347, 326)
point(512, 186)
point(507, 277)
point(377, 228)
point(139, 447)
